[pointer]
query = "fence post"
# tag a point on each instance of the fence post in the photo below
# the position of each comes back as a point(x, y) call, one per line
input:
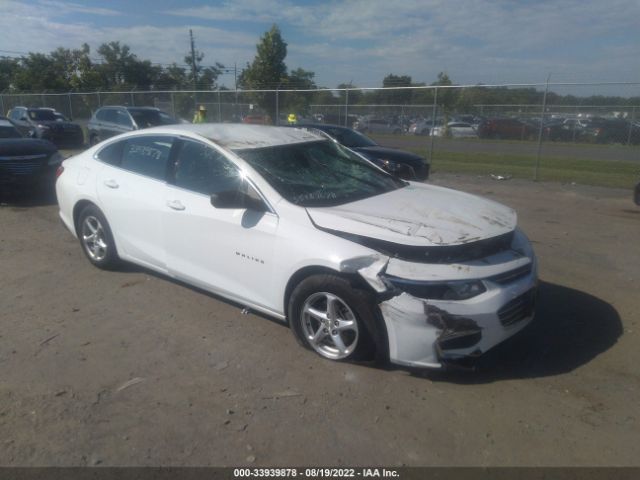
point(633, 117)
point(346, 107)
point(219, 111)
point(277, 122)
point(544, 107)
point(173, 105)
point(99, 100)
point(133, 103)
point(2, 111)
point(434, 112)
point(70, 107)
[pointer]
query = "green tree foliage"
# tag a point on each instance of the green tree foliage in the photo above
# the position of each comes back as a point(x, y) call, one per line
point(267, 71)
point(395, 97)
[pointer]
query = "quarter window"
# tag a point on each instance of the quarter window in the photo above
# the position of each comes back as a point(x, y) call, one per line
point(147, 155)
point(111, 154)
point(204, 170)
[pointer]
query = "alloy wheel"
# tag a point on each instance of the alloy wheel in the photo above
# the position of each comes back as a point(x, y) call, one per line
point(329, 325)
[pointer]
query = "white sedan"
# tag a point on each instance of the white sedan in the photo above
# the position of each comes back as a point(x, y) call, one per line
point(294, 225)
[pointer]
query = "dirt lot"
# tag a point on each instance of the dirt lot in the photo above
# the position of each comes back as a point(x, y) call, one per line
point(129, 368)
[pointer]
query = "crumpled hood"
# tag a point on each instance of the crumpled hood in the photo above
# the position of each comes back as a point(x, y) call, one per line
point(419, 215)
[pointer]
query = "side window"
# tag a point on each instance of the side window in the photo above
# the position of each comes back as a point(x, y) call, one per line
point(203, 170)
point(123, 119)
point(111, 154)
point(102, 115)
point(110, 115)
point(147, 155)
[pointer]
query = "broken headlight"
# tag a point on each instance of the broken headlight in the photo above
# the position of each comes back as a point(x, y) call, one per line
point(455, 290)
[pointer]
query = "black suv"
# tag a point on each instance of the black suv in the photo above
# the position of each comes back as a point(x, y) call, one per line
point(109, 121)
point(401, 164)
point(47, 124)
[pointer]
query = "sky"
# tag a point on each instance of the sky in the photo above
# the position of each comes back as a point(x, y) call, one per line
point(357, 41)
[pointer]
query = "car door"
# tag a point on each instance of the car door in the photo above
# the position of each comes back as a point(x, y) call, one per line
point(131, 189)
point(21, 121)
point(224, 250)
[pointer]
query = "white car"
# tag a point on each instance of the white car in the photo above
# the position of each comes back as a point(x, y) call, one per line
point(293, 225)
point(456, 130)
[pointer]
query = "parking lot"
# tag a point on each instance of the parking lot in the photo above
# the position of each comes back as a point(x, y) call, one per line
point(129, 368)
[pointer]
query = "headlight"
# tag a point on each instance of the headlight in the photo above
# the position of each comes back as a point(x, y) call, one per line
point(43, 127)
point(55, 159)
point(455, 290)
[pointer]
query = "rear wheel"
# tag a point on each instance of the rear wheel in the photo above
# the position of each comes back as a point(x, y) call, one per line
point(96, 238)
point(333, 318)
point(94, 139)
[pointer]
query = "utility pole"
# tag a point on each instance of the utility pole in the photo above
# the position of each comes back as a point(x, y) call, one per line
point(194, 70)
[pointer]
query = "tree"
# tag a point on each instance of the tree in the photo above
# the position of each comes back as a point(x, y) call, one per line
point(8, 69)
point(396, 97)
point(298, 102)
point(205, 77)
point(268, 70)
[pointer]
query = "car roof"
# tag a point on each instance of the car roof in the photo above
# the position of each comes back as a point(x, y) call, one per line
point(241, 136)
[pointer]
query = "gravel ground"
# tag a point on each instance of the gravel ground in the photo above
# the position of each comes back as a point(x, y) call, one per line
point(129, 368)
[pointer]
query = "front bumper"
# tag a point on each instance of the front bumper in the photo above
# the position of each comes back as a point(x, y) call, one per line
point(431, 333)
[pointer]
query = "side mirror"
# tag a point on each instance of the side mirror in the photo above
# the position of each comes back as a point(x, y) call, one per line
point(235, 199)
point(24, 119)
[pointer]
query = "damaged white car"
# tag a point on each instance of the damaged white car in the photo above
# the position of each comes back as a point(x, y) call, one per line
point(294, 225)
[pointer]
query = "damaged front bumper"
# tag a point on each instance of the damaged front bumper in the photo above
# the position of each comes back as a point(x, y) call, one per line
point(428, 332)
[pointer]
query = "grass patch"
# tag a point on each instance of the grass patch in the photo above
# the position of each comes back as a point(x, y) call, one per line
point(610, 173)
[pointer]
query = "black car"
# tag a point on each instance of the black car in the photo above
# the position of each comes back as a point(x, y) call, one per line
point(47, 124)
point(26, 163)
point(401, 164)
point(114, 120)
point(612, 130)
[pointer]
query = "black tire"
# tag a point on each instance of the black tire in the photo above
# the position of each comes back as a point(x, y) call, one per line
point(101, 249)
point(94, 139)
point(361, 310)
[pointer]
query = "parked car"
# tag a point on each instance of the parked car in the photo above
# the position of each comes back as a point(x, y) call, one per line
point(507, 128)
point(377, 125)
point(114, 120)
point(612, 130)
point(423, 126)
point(26, 163)
point(455, 130)
point(295, 226)
point(257, 119)
point(408, 166)
point(47, 124)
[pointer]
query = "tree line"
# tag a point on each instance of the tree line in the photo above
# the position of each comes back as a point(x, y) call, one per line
point(116, 67)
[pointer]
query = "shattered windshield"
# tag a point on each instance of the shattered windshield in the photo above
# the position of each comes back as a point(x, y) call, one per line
point(319, 174)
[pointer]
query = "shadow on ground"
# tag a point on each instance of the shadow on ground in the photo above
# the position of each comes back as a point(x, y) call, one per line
point(25, 199)
point(571, 328)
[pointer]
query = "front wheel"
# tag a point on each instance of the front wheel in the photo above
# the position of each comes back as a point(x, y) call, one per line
point(96, 239)
point(335, 319)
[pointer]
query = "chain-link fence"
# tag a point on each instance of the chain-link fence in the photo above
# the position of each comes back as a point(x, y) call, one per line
point(523, 130)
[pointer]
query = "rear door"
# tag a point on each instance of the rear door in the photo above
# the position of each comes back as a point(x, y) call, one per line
point(131, 188)
point(225, 250)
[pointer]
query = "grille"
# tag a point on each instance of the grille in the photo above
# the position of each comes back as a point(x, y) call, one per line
point(517, 309)
point(21, 166)
point(512, 275)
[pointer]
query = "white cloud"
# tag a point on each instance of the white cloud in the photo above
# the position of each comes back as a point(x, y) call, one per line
point(63, 8)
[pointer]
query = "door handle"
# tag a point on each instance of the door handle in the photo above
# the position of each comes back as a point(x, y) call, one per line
point(176, 205)
point(111, 183)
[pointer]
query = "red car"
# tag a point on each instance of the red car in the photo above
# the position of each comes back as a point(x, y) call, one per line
point(507, 128)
